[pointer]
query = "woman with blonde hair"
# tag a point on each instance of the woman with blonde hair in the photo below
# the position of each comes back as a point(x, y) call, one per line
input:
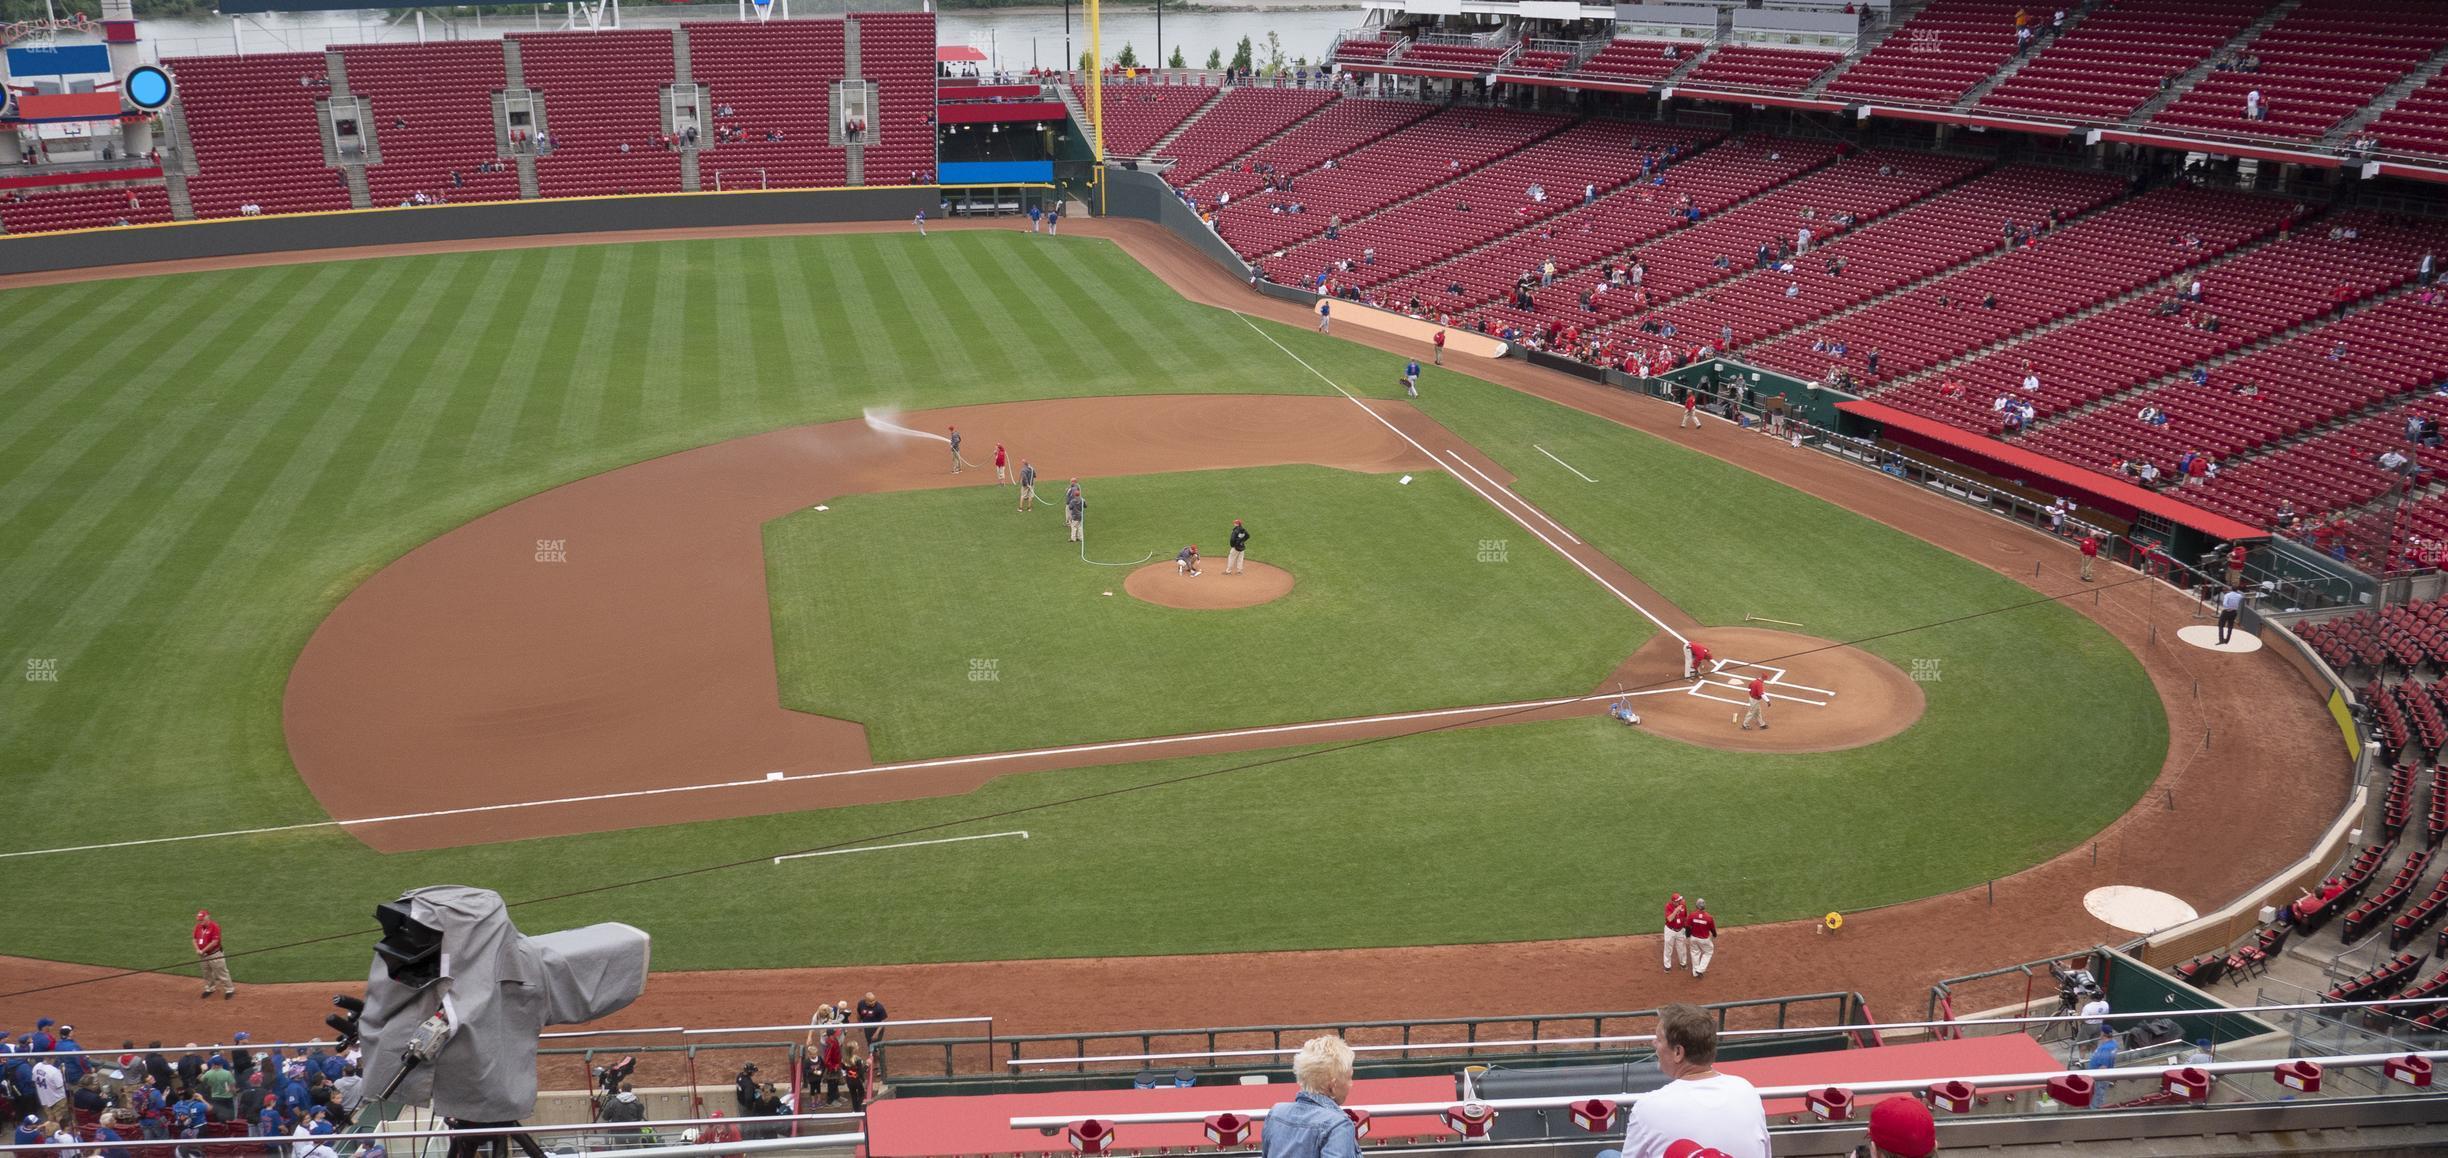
point(1313, 1124)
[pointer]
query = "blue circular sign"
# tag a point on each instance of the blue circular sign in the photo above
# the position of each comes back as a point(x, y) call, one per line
point(148, 87)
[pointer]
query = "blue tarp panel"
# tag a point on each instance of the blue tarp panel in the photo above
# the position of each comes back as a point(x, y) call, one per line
point(994, 173)
point(58, 60)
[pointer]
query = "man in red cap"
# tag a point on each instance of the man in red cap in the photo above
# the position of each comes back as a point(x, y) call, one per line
point(2090, 551)
point(1677, 920)
point(208, 950)
point(1695, 659)
point(1757, 713)
point(1900, 1127)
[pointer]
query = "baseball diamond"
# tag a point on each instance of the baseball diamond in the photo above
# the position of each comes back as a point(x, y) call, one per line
point(1406, 525)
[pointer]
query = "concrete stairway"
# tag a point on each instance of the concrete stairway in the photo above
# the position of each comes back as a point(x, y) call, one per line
point(2040, 44)
point(182, 207)
point(2194, 75)
point(1166, 141)
point(337, 67)
point(360, 197)
point(2388, 98)
point(513, 71)
point(1897, 17)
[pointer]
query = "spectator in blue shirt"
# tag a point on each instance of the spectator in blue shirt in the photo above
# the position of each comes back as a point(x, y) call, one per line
point(107, 1136)
point(29, 1131)
point(269, 1124)
point(1313, 1124)
point(191, 1112)
point(72, 1068)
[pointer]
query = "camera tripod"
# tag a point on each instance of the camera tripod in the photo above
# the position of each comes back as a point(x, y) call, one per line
point(492, 1145)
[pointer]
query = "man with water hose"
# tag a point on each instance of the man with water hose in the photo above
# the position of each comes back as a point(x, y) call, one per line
point(1075, 512)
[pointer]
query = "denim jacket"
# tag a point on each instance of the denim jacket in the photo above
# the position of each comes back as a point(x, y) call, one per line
point(1309, 1126)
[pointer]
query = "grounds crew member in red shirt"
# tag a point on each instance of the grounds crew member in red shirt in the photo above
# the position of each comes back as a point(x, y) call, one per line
point(2235, 565)
point(208, 950)
point(1439, 343)
point(1002, 466)
point(1703, 934)
point(1695, 659)
point(1678, 919)
point(1757, 713)
point(1691, 409)
point(2090, 551)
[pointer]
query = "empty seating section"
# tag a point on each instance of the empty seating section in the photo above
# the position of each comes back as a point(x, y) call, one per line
point(1241, 119)
point(1139, 115)
point(2252, 297)
point(1476, 57)
point(2318, 65)
point(1428, 229)
point(2419, 123)
point(2122, 248)
point(1955, 226)
point(602, 91)
point(897, 55)
point(1364, 49)
point(83, 209)
point(1680, 260)
point(775, 78)
point(258, 138)
point(2115, 60)
point(1937, 56)
point(1582, 234)
point(1539, 61)
point(1636, 60)
point(1410, 161)
point(1334, 131)
point(432, 116)
point(1674, 266)
point(1746, 66)
point(2391, 349)
point(2335, 470)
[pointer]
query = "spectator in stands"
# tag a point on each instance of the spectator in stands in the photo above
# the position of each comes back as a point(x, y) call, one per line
point(1901, 1127)
point(1697, 1102)
point(2426, 271)
point(2285, 515)
point(2254, 110)
point(1312, 1124)
point(622, 1109)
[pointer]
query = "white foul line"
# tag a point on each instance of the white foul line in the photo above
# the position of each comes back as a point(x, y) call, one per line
point(1021, 833)
point(781, 778)
point(1543, 517)
point(1561, 462)
point(1430, 456)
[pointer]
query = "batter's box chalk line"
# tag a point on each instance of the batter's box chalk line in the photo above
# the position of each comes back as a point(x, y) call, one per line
point(1782, 690)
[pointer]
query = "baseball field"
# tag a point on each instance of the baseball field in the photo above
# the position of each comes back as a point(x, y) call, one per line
point(562, 568)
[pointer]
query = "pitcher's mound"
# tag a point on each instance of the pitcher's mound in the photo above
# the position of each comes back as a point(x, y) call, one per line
point(1211, 589)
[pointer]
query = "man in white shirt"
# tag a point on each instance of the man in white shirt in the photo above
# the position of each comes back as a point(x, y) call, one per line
point(1697, 1102)
point(2094, 1013)
point(50, 1086)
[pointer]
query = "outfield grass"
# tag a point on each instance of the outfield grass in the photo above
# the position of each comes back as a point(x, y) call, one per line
point(196, 468)
point(1393, 609)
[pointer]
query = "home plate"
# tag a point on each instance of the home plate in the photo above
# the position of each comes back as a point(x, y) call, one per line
point(2136, 909)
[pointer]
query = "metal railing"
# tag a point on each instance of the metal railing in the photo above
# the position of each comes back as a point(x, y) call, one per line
point(1390, 1041)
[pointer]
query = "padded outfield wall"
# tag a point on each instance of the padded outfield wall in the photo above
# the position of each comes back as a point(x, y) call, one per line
point(357, 228)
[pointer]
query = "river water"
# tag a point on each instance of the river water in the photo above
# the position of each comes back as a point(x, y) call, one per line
point(1015, 38)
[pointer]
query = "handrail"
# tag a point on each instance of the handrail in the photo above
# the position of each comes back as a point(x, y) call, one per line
point(1867, 1086)
point(1785, 1031)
